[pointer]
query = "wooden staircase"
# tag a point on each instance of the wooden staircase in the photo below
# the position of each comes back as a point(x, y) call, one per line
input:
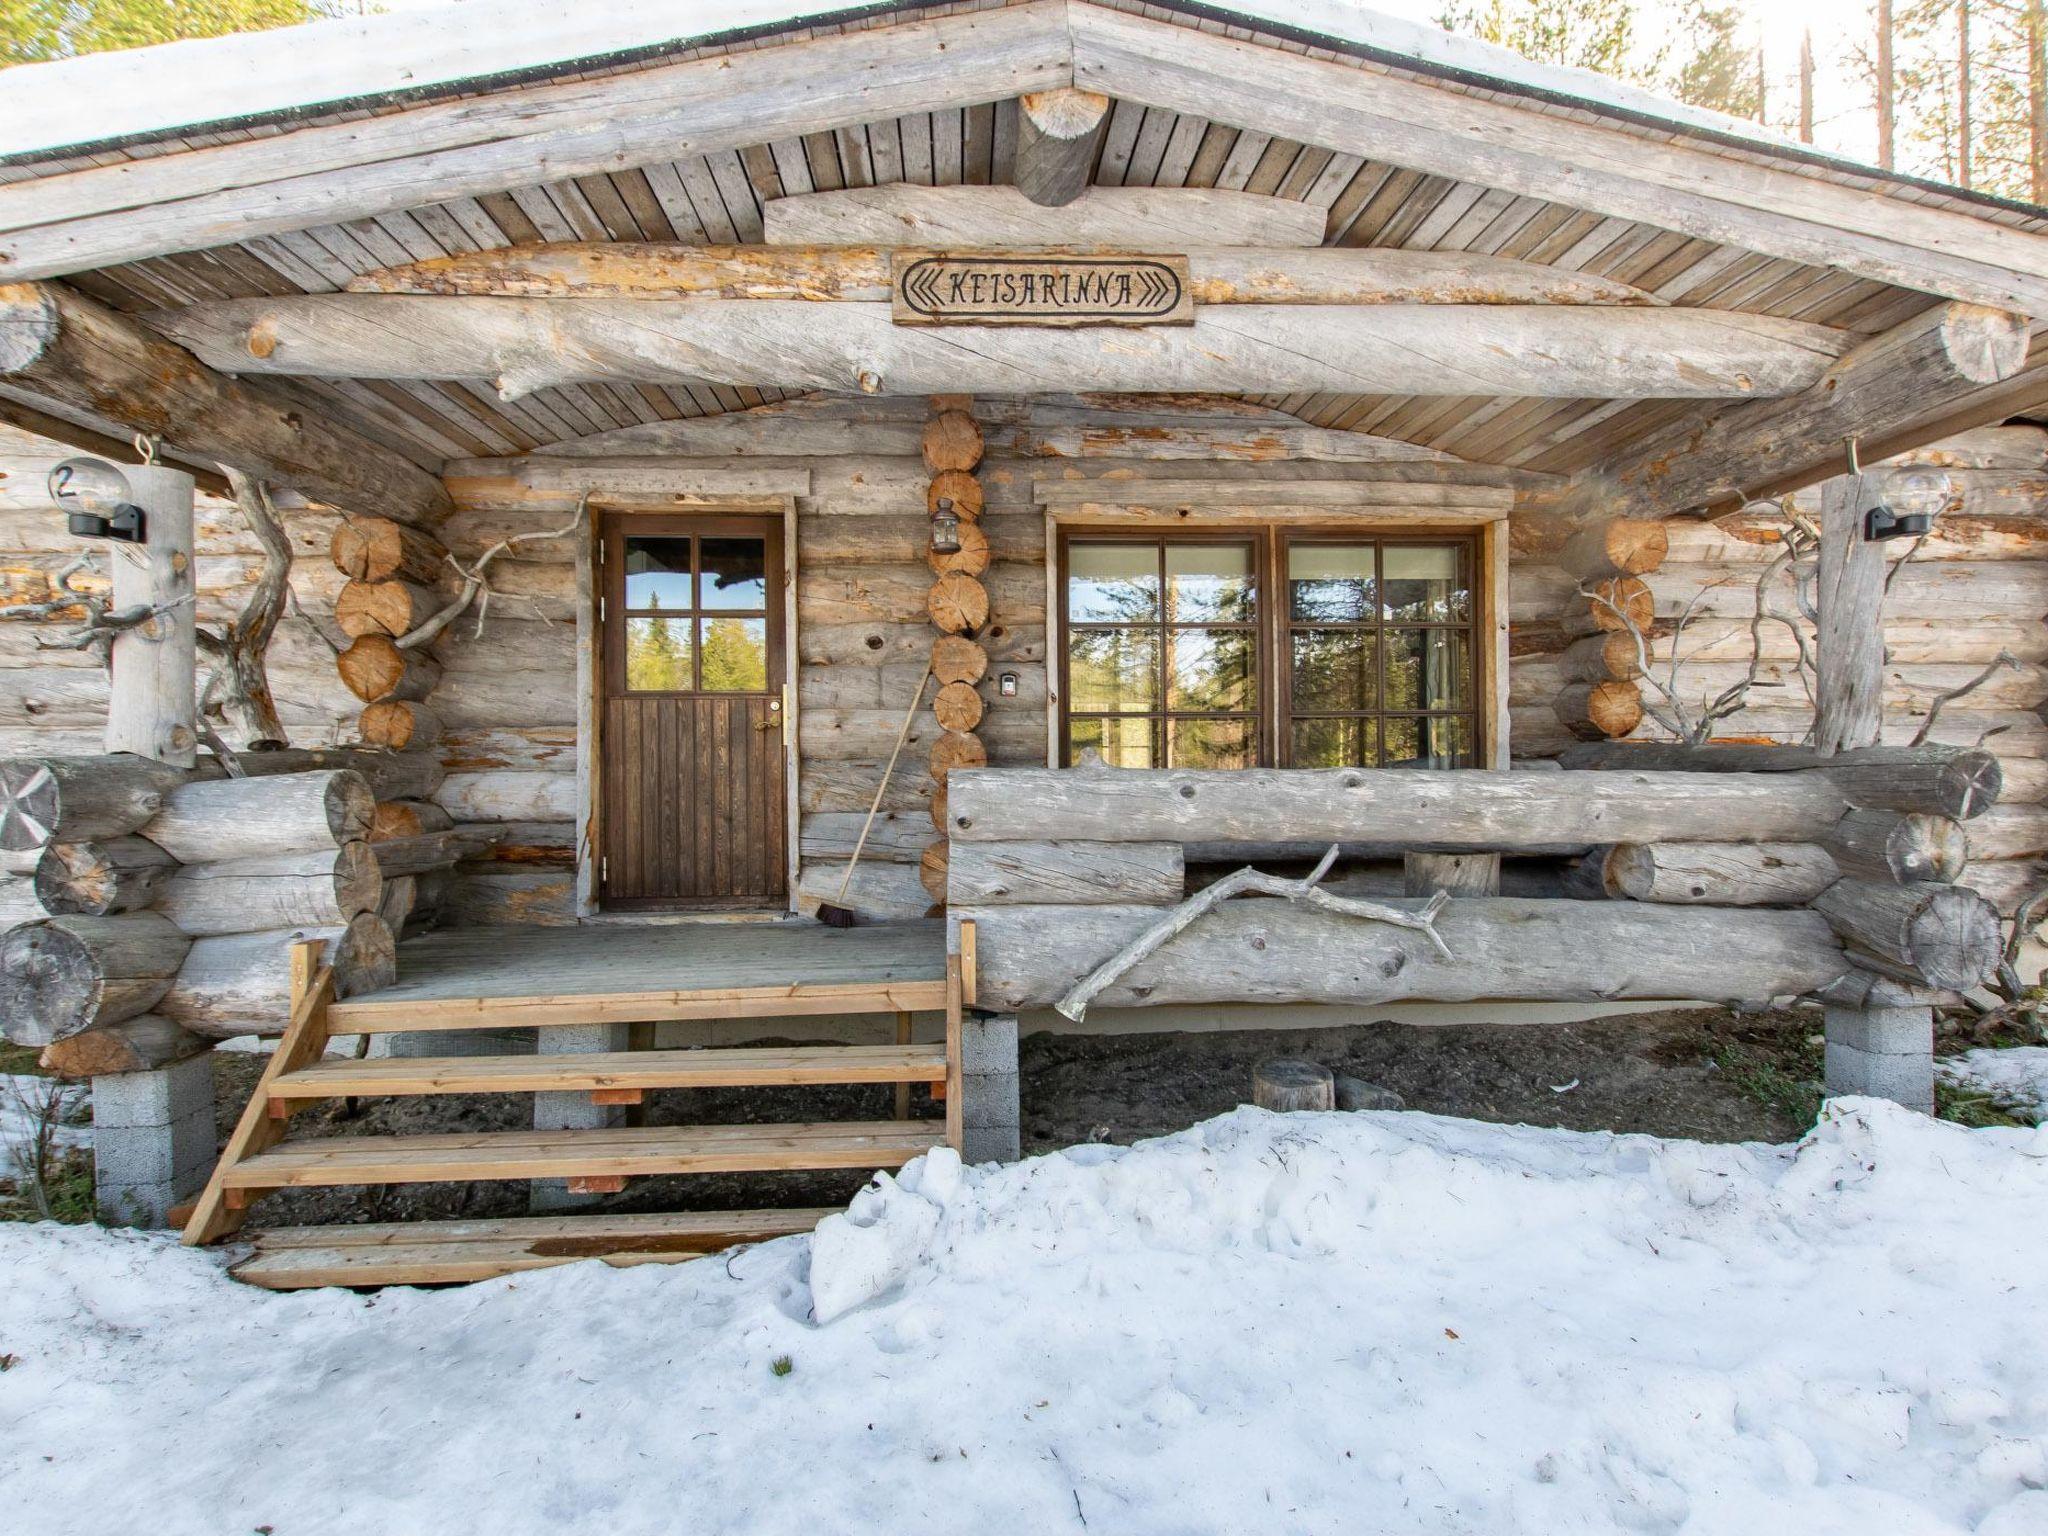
point(259, 1157)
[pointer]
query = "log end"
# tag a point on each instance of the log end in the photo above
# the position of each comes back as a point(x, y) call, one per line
point(1983, 345)
point(1955, 938)
point(1286, 1083)
point(29, 323)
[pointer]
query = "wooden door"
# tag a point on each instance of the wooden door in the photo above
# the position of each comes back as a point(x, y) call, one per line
point(691, 809)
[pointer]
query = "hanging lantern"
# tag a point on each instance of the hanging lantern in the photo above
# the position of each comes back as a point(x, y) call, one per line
point(945, 529)
point(97, 501)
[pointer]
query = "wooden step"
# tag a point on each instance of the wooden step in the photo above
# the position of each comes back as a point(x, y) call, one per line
point(746, 1067)
point(450, 1252)
point(628, 1150)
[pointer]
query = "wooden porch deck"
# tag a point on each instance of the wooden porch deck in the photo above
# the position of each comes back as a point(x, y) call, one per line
point(495, 978)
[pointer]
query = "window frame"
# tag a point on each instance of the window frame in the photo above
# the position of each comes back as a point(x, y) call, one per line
point(618, 616)
point(1270, 539)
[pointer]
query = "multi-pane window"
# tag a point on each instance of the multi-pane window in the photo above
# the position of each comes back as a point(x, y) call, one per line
point(696, 613)
point(1369, 643)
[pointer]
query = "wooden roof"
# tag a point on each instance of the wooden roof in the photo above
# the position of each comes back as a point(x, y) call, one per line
point(718, 196)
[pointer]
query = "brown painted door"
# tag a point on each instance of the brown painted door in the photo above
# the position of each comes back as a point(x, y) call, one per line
point(690, 753)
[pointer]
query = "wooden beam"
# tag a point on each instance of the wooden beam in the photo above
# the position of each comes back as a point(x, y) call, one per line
point(829, 273)
point(1413, 349)
point(1873, 393)
point(1057, 133)
point(968, 218)
point(78, 352)
point(1849, 632)
point(18, 413)
point(1708, 192)
point(615, 122)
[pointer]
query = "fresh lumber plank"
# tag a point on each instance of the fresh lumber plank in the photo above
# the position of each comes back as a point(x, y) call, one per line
point(627, 1150)
point(372, 1015)
point(456, 1252)
point(735, 1067)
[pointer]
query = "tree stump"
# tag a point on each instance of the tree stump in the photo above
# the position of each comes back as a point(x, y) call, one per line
point(970, 559)
point(956, 659)
point(958, 707)
point(961, 489)
point(1286, 1083)
point(952, 440)
point(957, 604)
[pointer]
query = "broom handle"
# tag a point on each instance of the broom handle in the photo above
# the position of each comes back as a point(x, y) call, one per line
point(882, 788)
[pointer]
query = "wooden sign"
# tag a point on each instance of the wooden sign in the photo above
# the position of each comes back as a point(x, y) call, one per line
point(1022, 288)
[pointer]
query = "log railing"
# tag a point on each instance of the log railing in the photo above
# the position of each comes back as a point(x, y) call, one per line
point(1713, 881)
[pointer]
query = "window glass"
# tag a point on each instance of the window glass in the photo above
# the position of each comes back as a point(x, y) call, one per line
point(1211, 743)
point(1336, 669)
point(733, 573)
point(1114, 670)
point(1124, 743)
point(658, 655)
point(658, 573)
point(1214, 670)
point(1444, 741)
point(1113, 584)
point(1330, 583)
point(1428, 669)
point(1210, 584)
point(1336, 743)
point(1425, 584)
point(735, 653)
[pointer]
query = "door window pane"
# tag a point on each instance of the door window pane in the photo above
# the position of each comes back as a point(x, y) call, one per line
point(1428, 669)
point(1113, 583)
point(1330, 583)
point(658, 573)
point(1336, 669)
point(1213, 670)
point(1425, 584)
point(1210, 584)
point(1211, 743)
point(733, 573)
point(1114, 670)
point(735, 655)
point(1335, 743)
point(658, 655)
point(1126, 743)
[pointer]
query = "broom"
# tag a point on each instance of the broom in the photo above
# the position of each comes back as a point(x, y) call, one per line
point(834, 913)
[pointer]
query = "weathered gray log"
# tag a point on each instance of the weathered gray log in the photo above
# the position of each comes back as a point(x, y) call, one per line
point(1598, 658)
point(1600, 710)
point(221, 819)
point(1849, 634)
point(434, 850)
point(313, 888)
point(63, 975)
point(1944, 781)
point(1276, 952)
point(505, 794)
point(1285, 1084)
point(62, 346)
point(1456, 874)
point(1719, 874)
point(1943, 935)
point(1615, 546)
point(1905, 847)
point(240, 983)
point(981, 218)
point(152, 696)
point(1146, 874)
point(1550, 351)
point(116, 874)
point(141, 1044)
point(1057, 132)
point(411, 775)
point(395, 819)
point(79, 799)
point(1430, 812)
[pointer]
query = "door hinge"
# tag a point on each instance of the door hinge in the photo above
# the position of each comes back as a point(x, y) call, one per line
point(604, 869)
point(600, 610)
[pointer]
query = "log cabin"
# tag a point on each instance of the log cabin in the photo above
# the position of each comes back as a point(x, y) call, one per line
point(1270, 512)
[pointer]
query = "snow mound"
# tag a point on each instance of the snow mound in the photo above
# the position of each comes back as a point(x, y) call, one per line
point(2013, 1075)
point(1304, 1323)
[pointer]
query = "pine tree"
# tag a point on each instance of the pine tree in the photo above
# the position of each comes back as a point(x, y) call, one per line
point(33, 30)
point(1719, 70)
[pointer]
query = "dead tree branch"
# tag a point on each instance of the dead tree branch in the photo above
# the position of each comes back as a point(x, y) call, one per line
point(2003, 661)
point(237, 690)
point(100, 624)
point(476, 584)
point(1248, 880)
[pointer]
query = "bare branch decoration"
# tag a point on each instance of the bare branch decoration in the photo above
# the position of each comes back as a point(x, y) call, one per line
point(476, 585)
point(2003, 661)
point(1249, 880)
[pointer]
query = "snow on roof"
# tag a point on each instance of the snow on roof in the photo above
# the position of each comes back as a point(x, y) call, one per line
point(150, 92)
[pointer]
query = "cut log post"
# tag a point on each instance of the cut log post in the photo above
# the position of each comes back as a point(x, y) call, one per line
point(1021, 873)
point(1942, 935)
point(65, 347)
point(1906, 847)
point(1057, 132)
point(64, 975)
point(1718, 874)
point(952, 445)
point(1943, 781)
point(240, 984)
point(395, 819)
point(152, 698)
point(222, 819)
point(1285, 1084)
point(956, 659)
point(79, 799)
point(1615, 604)
point(1599, 711)
point(1624, 546)
point(399, 724)
point(394, 607)
point(114, 875)
point(141, 1044)
point(375, 549)
point(957, 604)
point(957, 707)
point(1597, 658)
point(1849, 635)
point(1455, 874)
point(373, 668)
point(313, 888)
point(1533, 949)
point(1444, 812)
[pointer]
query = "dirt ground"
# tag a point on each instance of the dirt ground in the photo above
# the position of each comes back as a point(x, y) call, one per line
point(1707, 1074)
